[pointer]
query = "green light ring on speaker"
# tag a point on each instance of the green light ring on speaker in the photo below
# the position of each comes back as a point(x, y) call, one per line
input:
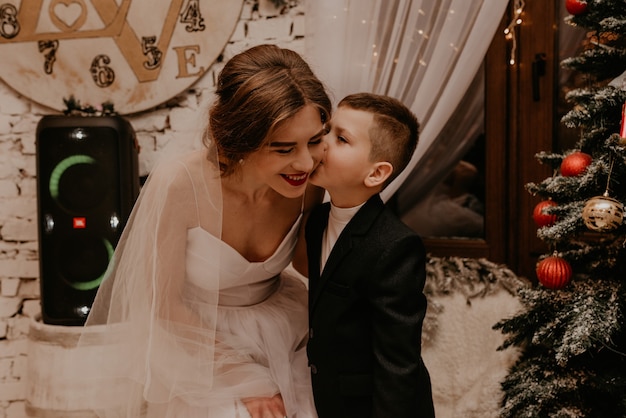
point(57, 173)
point(92, 284)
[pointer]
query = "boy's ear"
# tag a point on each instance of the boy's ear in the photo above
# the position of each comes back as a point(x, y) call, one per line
point(379, 173)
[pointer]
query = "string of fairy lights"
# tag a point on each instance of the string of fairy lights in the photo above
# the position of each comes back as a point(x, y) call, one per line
point(509, 32)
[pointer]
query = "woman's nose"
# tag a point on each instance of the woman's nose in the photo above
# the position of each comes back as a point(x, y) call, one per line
point(305, 161)
point(318, 152)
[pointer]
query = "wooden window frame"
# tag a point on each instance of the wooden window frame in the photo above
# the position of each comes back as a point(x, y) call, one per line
point(493, 246)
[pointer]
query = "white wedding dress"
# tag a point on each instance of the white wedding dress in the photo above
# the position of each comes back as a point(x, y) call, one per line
point(194, 326)
point(262, 320)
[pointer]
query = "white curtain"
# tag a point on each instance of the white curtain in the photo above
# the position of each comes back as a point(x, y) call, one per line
point(463, 129)
point(425, 53)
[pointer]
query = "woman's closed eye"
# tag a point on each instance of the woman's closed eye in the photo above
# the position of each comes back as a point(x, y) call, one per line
point(282, 147)
point(316, 141)
point(284, 151)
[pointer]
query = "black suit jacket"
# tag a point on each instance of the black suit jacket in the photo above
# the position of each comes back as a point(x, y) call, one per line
point(366, 313)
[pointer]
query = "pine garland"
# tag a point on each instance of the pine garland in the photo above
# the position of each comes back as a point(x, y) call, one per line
point(75, 108)
point(470, 276)
point(473, 278)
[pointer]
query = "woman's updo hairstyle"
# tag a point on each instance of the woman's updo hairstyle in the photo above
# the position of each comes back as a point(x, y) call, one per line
point(257, 90)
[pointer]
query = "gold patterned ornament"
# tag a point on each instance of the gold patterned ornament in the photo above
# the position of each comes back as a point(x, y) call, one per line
point(603, 213)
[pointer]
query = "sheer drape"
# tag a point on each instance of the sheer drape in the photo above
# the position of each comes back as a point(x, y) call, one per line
point(464, 127)
point(423, 52)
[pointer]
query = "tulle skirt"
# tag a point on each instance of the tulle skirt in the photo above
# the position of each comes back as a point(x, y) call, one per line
point(262, 352)
point(265, 354)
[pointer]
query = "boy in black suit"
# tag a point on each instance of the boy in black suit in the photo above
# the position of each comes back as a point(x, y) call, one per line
point(367, 306)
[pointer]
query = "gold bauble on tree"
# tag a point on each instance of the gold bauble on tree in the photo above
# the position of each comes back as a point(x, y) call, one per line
point(603, 213)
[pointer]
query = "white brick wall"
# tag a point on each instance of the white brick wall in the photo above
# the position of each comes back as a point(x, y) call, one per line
point(175, 123)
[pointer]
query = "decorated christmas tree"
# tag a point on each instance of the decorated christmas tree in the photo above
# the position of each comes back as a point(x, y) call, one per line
point(572, 332)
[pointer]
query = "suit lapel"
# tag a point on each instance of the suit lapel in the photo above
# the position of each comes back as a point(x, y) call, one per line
point(358, 226)
point(341, 248)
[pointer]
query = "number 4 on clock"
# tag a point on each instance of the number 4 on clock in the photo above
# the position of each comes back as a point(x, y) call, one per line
point(192, 16)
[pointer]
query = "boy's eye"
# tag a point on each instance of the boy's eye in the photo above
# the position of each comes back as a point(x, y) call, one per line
point(315, 141)
point(342, 139)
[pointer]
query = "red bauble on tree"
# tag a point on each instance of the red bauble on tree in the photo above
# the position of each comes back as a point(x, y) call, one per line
point(542, 218)
point(554, 272)
point(575, 164)
point(576, 7)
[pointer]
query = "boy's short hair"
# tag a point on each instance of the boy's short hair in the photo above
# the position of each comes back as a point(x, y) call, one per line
point(394, 132)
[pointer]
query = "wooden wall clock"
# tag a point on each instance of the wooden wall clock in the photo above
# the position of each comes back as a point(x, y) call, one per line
point(133, 53)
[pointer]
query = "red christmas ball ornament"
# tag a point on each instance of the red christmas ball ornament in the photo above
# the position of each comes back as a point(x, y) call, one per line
point(576, 7)
point(542, 218)
point(554, 272)
point(575, 164)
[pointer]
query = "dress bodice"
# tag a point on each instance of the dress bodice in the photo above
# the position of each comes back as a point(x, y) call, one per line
point(241, 282)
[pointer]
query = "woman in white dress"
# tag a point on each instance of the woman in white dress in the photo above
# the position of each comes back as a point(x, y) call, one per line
point(198, 316)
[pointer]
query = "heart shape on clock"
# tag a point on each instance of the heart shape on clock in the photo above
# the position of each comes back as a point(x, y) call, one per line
point(68, 15)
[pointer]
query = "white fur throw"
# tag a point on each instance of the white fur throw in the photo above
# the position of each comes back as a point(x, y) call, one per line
point(466, 298)
point(465, 368)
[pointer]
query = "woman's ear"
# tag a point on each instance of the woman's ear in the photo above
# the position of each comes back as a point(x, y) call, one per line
point(379, 174)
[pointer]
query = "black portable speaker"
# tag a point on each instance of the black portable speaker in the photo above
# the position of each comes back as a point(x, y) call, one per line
point(87, 184)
